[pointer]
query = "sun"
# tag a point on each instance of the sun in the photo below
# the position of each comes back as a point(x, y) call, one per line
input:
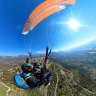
point(74, 24)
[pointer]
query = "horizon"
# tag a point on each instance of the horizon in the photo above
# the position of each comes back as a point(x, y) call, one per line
point(57, 51)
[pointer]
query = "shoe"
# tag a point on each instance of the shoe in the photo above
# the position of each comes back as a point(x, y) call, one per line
point(47, 84)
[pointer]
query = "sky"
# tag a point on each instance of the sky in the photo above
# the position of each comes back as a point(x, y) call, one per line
point(53, 29)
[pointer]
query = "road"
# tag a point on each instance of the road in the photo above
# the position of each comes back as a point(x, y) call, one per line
point(6, 87)
point(75, 83)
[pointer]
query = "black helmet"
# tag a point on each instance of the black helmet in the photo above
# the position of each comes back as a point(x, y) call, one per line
point(26, 67)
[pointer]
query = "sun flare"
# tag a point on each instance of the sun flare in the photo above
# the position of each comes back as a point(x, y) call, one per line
point(74, 24)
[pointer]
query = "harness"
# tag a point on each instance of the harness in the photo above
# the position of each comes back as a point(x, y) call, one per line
point(26, 76)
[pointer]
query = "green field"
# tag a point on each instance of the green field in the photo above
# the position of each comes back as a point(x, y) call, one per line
point(2, 90)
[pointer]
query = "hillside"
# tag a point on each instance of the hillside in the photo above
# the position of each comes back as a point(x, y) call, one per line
point(59, 84)
point(73, 74)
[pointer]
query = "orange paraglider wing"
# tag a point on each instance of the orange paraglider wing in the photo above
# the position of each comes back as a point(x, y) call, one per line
point(44, 10)
point(46, 13)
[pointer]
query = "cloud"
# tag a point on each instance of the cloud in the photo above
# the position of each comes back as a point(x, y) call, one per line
point(40, 52)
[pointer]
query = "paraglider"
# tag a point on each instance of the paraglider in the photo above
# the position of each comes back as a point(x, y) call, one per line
point(44, 10)
point(30, 78)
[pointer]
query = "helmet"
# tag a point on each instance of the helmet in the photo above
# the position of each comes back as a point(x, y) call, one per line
point(27, 67)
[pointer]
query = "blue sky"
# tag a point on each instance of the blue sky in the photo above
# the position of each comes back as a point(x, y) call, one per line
point(14, 13)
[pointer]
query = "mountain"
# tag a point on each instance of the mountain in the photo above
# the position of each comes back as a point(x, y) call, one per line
point(20, 57)
point(73, 73)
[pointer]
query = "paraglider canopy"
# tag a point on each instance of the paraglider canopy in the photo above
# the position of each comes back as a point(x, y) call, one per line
point(44, 10)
